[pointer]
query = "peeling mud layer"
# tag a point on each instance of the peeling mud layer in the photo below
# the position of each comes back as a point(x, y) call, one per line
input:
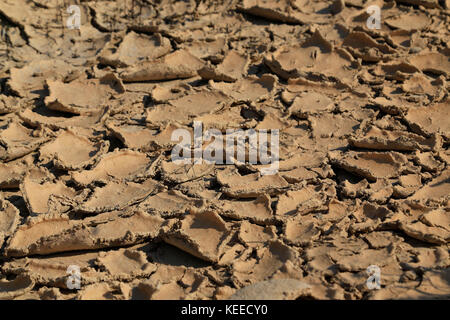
point(88, 185)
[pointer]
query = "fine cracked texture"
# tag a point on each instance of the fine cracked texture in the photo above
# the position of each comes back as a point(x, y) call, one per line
point(87, 179)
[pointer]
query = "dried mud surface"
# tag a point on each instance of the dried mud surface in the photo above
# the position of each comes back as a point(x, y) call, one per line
point(86, 177)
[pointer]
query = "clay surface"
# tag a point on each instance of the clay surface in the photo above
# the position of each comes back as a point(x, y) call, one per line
point(87, 124)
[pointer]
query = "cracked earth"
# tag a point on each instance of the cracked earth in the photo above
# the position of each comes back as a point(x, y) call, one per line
point(86, 177)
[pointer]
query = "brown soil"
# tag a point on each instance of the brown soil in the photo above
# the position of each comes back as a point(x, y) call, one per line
point(86, 177)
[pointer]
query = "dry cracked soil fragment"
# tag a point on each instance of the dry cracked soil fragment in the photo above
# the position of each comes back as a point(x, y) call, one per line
point(29, 81)
point(37, 194)
point(232, 68)
point(434, 62)
point(372, 165)
point(11, 289)
point(275, 289)
point(125, 263)
point(269, 259)
point(177, 65)
point(51, 234)
point(182, 109)
point(96, 93)
point(169, 203)
point(17, 140)
point(429, 120)
point(136, 48)
point(50, 119)
point(250, 88)
point(201, 233)
point(87, 121)
point(119, 164)
point(257, 210)
point(250, 186)
point(179, 173)
point(9, 219)
point(379, 139)
point(437, 190)
point(71, 151)
point(315, 56)
point(117, 195)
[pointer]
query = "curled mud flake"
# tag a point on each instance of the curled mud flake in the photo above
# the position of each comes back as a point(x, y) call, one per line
point(71, 151)
point(28, 234)
point(409, 22)
point(118, 16)
point(379, 139)
point(428, 162)
point(434, 62)
point(310, 102)
point(315, 56)
point(232, 68)
point(229, 118)
point(38, 195)
point(199, 103)
point(368, 217)
point(434, 285)
point(19, 286)
point(150, 290)
point(29, 81)
point(248, 89)
point(421, 84)
point(62, 235)
point(331, 125)
point(268, 261)
point(430, 257)
point(165, 114)
point(17, 140)
point(288, 11)
point(9, 219)
point(437, 190)
point(179, 173)
point(164, 92)
point(258, 210)
point(11, 175)
point(97, 291)
point(180, 110)
point(275, 289)
point(372, 165)
point(429, 120)
point(363, 46)
point(169, 204)
point(125, 264)
point(302, 231)
point(209, 50)
point(120, 164)
point(437, 218)
point(52, 271)
point(96, 93)
point(421, 231)
point(360, 261)
point(48, 118)
point(177, 65)
point(381, 239)
point(300, 202)
point(136, 48)
point(117, 196)
point(8, 104)
point(276, 11)
point(395, 70)
point(253, 235)
point(133, 136)
point(251, 185)
point(394, 106)
point(201, 233)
